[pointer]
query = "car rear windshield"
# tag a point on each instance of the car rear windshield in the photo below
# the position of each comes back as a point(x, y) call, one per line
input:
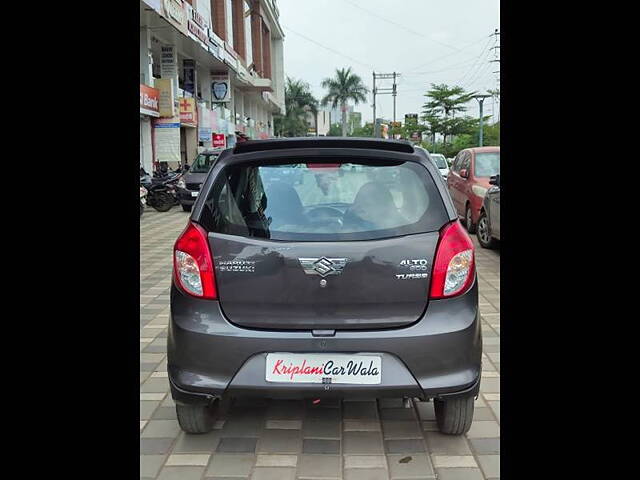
point(203, 162)
point(324, 202)
point(440, 161)
point(487, 164)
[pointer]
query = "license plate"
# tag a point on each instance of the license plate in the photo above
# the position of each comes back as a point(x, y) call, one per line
point(323, 368)
point(194, 194)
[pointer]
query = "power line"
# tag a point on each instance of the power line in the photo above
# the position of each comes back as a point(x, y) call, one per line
point(474, 42)
point(484, 49)
point(478, 73)
point(455, 66)
point(401, 26)
point(329, 48)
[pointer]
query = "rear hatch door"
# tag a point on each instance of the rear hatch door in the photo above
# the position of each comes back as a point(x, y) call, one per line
point(348, 245)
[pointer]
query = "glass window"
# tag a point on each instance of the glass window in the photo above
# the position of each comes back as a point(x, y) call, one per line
point(439, 160)
point(315, 202)
point(456, 163)
point(229, 19)
point(203, 162)
point(247, 34)
point(465, 161)
point(487, 164)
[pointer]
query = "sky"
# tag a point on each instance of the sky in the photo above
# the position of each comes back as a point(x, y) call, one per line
point(426, 41)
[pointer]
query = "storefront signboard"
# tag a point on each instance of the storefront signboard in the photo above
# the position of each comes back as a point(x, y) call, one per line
point(188, 114)
point(169, 64)
point(220, 88)
point(167, 97)
point(196, 26)
point(149, 100)
point(204, 123)
point(167, 139)
point(174, 12)
point(218, 140)
point(214, 42)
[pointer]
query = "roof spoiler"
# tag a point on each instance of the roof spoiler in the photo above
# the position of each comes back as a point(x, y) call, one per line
point(323, 142)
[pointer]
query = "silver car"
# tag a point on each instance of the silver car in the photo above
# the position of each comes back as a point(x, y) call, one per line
point(489, 221)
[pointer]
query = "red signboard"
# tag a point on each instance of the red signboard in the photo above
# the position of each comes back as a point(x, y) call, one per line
point(149, 100)
point(218, 140)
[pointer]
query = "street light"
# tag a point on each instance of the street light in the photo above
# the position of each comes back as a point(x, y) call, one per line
point(480, 98)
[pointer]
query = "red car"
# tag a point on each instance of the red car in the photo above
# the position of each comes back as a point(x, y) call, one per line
point(468, 181)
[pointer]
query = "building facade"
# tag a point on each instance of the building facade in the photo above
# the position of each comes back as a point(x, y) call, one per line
point(211, 74)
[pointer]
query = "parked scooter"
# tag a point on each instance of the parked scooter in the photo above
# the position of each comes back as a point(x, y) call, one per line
point(161, 193)
point(143, 199)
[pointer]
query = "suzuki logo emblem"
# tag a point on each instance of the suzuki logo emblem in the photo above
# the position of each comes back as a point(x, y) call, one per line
point(323, 266)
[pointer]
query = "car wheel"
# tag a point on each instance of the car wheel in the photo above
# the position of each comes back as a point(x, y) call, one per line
point(484, 232)
point(468, 220)
point(186, 208)
point(454, 415)
point(197, 418)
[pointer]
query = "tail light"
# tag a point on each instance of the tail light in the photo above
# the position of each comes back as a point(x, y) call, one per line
point(454, 266)
point(193, 263)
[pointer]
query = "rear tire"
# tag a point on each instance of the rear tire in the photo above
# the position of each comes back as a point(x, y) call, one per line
point(197, 418)
point(187, 208)
point(484, 232)
point(454, 415)
point(468, 221)
point(163, 202)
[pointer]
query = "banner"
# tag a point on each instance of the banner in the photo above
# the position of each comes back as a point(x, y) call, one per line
point(169, 64)
point(204, 123)
point(220, 88)
point(189, 75)
point(167, 139)
point(167, 97)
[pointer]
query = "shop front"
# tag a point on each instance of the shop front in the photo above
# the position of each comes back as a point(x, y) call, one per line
point(149, 108)
point(188, 130)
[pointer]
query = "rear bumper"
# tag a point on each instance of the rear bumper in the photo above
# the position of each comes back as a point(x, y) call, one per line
point(438, 356)
point(185, 197)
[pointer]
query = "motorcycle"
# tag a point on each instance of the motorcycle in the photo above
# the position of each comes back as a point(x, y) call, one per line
point(161, 194)
point(143, 199)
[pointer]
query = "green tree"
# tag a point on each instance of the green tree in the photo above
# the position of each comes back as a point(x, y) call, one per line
point(345, 86)
point(440, 110)
point(334, 130)
point(365, 131)
point(298, 100)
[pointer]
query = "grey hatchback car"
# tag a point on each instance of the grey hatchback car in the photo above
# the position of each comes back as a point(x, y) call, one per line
point(352, 278)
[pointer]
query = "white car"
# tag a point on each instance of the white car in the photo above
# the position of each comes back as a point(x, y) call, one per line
point(439, 160)
point(441, 163)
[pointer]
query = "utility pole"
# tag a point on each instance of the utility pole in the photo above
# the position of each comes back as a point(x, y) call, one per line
point(480, 99)
point(375, 124)
point(395, 93)
point(384, 91)
point(496, 59)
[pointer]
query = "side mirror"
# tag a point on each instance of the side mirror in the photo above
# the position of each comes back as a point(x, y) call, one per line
point(494, 180)
point(464, 173)
point(186, 167)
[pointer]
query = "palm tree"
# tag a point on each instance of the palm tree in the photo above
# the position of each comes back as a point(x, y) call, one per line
point(298, 101)
point(345, 86)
